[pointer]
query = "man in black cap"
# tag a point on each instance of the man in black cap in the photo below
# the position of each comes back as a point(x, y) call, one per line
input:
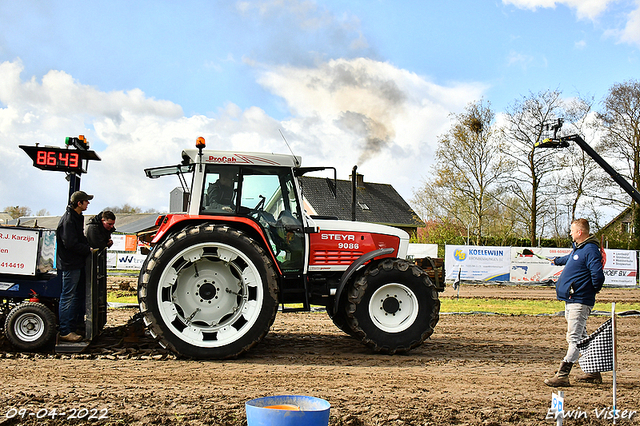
point(72, 251)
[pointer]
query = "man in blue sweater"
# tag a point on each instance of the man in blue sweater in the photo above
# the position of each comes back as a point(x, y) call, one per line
point(581, 278)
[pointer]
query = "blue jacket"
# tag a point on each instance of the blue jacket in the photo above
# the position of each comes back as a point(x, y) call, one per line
point(582, 276)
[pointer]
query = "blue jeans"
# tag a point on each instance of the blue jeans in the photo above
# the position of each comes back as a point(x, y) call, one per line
point(71, 307)
point(576, 315)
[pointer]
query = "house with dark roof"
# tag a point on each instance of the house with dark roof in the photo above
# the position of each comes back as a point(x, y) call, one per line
point(618, 232)
point(374, 202)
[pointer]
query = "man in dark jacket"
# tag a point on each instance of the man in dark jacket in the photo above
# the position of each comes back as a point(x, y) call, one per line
point(581, 278)
point(72, 251)
point(100, 228)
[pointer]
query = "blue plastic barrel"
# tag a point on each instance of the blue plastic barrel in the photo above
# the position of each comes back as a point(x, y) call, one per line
point(297, 410)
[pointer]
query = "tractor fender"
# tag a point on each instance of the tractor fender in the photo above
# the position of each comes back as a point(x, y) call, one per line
point(353, 267)
point(168, 223)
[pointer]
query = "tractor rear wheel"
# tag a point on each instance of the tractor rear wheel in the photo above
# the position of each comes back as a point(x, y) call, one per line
point(208, 291)
point(30, 326)
point(393, 307)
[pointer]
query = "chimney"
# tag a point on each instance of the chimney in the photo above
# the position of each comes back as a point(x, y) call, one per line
point(359, 180)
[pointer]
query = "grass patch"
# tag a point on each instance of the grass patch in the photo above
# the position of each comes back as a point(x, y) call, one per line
point(519, 306)
point(499, 306)
point(122, 297)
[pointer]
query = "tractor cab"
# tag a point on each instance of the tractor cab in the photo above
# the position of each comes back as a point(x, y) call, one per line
point(259, 187)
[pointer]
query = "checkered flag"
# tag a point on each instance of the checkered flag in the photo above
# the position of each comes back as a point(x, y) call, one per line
point(597, 349)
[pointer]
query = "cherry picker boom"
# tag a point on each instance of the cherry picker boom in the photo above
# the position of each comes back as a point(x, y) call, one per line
point(563, 142)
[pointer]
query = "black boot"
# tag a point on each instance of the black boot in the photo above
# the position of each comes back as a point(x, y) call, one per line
point(562, 376)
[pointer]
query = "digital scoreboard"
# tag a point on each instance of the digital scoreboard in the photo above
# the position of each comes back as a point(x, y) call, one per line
point(60, 159)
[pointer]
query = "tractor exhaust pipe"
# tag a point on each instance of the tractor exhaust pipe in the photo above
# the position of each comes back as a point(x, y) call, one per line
point(354, 183)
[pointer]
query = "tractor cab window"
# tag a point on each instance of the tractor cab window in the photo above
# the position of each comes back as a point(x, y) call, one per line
point(268, 195)
point(220, 189)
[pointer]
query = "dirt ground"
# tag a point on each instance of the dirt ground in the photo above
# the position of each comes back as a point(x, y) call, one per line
point(475, 370)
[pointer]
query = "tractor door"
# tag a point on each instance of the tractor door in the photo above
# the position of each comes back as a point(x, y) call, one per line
point(268, 195)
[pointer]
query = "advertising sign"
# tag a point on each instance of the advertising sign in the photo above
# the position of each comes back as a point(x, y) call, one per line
point(621, 267)
point(533, 264)
point(420, 251)
point(477, 263)
point(18, 251)
point(112, 259)
point(124, 242)
point(130, 261)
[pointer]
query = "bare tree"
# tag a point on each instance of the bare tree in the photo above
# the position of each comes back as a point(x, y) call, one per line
point(620, 122)
point(530, 179)
point(18, 211)
point(126, 208)
point(468, 168)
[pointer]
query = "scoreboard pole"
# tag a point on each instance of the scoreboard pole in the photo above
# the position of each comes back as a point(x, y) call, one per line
point(74, 183)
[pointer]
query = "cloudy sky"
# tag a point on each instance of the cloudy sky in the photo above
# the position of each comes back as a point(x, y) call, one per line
point(366, 82)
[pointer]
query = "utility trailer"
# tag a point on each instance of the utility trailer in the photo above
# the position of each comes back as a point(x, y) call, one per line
point(29, 285)
point(30, 290)
point(211, 286)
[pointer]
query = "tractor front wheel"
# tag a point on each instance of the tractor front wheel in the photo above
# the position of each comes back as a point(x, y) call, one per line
point(393, 306)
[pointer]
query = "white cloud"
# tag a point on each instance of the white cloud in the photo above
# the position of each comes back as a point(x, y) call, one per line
point(343, 112)
point(302, 28)
point(585, 9)
point(306, 13)
point(520, 59)
point(593, 10)
point(631, 33)
point(46, 112)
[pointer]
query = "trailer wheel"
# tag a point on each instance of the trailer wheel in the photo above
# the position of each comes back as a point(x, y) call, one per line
point(393, 307)
point(30, 326)
point(208, 291)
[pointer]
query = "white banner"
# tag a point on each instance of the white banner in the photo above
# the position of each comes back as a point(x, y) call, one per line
point(420, 251)
point(532, 264)
point(112, 260)
point(621, 267)
point(477, 263)
point(18, 251)
point(122, 242)
point(130, 261)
